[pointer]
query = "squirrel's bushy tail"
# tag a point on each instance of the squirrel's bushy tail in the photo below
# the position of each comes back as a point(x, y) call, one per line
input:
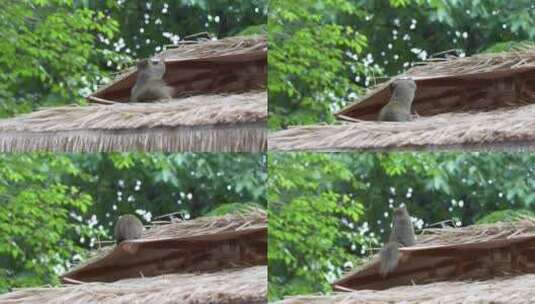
point(388, 258)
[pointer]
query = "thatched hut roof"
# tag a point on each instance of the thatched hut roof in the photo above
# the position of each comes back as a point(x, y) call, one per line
point(452, 254)
point(511, 290)
point(227, 65)
point(202, 123)
point(480, 82)
point(484, 101)
point(202, 244)
point(501, 129)
point(220, 105)
point(230, 286)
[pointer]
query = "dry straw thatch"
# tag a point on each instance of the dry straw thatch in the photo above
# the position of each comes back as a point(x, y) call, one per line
point(501, 129)
point(506, 290)
point(203, 123)
point(228, 65)
point(202, 244)
point(484, 101)
point(479, 252)
point(235, 286)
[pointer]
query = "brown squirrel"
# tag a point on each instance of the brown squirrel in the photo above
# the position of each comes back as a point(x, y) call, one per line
point(399, 106)
point(150, 85)
point(402, 235)
point(128, 227)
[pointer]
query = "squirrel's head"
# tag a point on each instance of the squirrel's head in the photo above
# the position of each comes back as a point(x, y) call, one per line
point(403, 89)
point(401, 210)
point(151, 68)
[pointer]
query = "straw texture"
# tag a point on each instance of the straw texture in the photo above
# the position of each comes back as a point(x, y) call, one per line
point(442, 237)
point(199, 123)
point(510, 128)
point(205, 227)
point(482, 63)
point(507, 290)
point(217, 48)
point(236, 286)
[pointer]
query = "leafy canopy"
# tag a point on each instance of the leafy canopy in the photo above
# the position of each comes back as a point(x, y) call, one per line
point(49, 54)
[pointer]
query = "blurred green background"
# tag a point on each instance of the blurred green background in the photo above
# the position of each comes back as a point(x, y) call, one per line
point(56, 52)
point(54, 208)
point(324, 54)
point(328, 211)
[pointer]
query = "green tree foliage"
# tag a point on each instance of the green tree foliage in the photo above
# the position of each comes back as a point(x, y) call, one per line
point(160, 183)
point(37, 234)
point(146, 26)
point(57, 207)
point(311, 74)
point(309, 58)
point(329, 210)
point(401, 35)
point(310, 227)
point(47, 52)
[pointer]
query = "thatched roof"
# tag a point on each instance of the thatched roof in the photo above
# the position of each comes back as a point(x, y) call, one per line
point(501, 129)
point(220, 105)
point(231, 286)
point(483, 101)
point(453, 254)
point(481, 82)
point(226, 65)
point(511, 290)
point(202, 244)
point(202, 123)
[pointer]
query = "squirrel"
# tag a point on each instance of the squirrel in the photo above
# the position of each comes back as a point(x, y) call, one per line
point(399, 106)
point(150, 85)
point(402, 235)
point(128, 227)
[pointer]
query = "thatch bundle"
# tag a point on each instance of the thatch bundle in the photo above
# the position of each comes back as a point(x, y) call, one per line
point(234, 64)
point(476, 234)
point(452, 254)
point(203, 244)
point(231, 286)
point(500, 129)
point(223, 49)
point(478, 83)
point(202, 123)
point(508, 290)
